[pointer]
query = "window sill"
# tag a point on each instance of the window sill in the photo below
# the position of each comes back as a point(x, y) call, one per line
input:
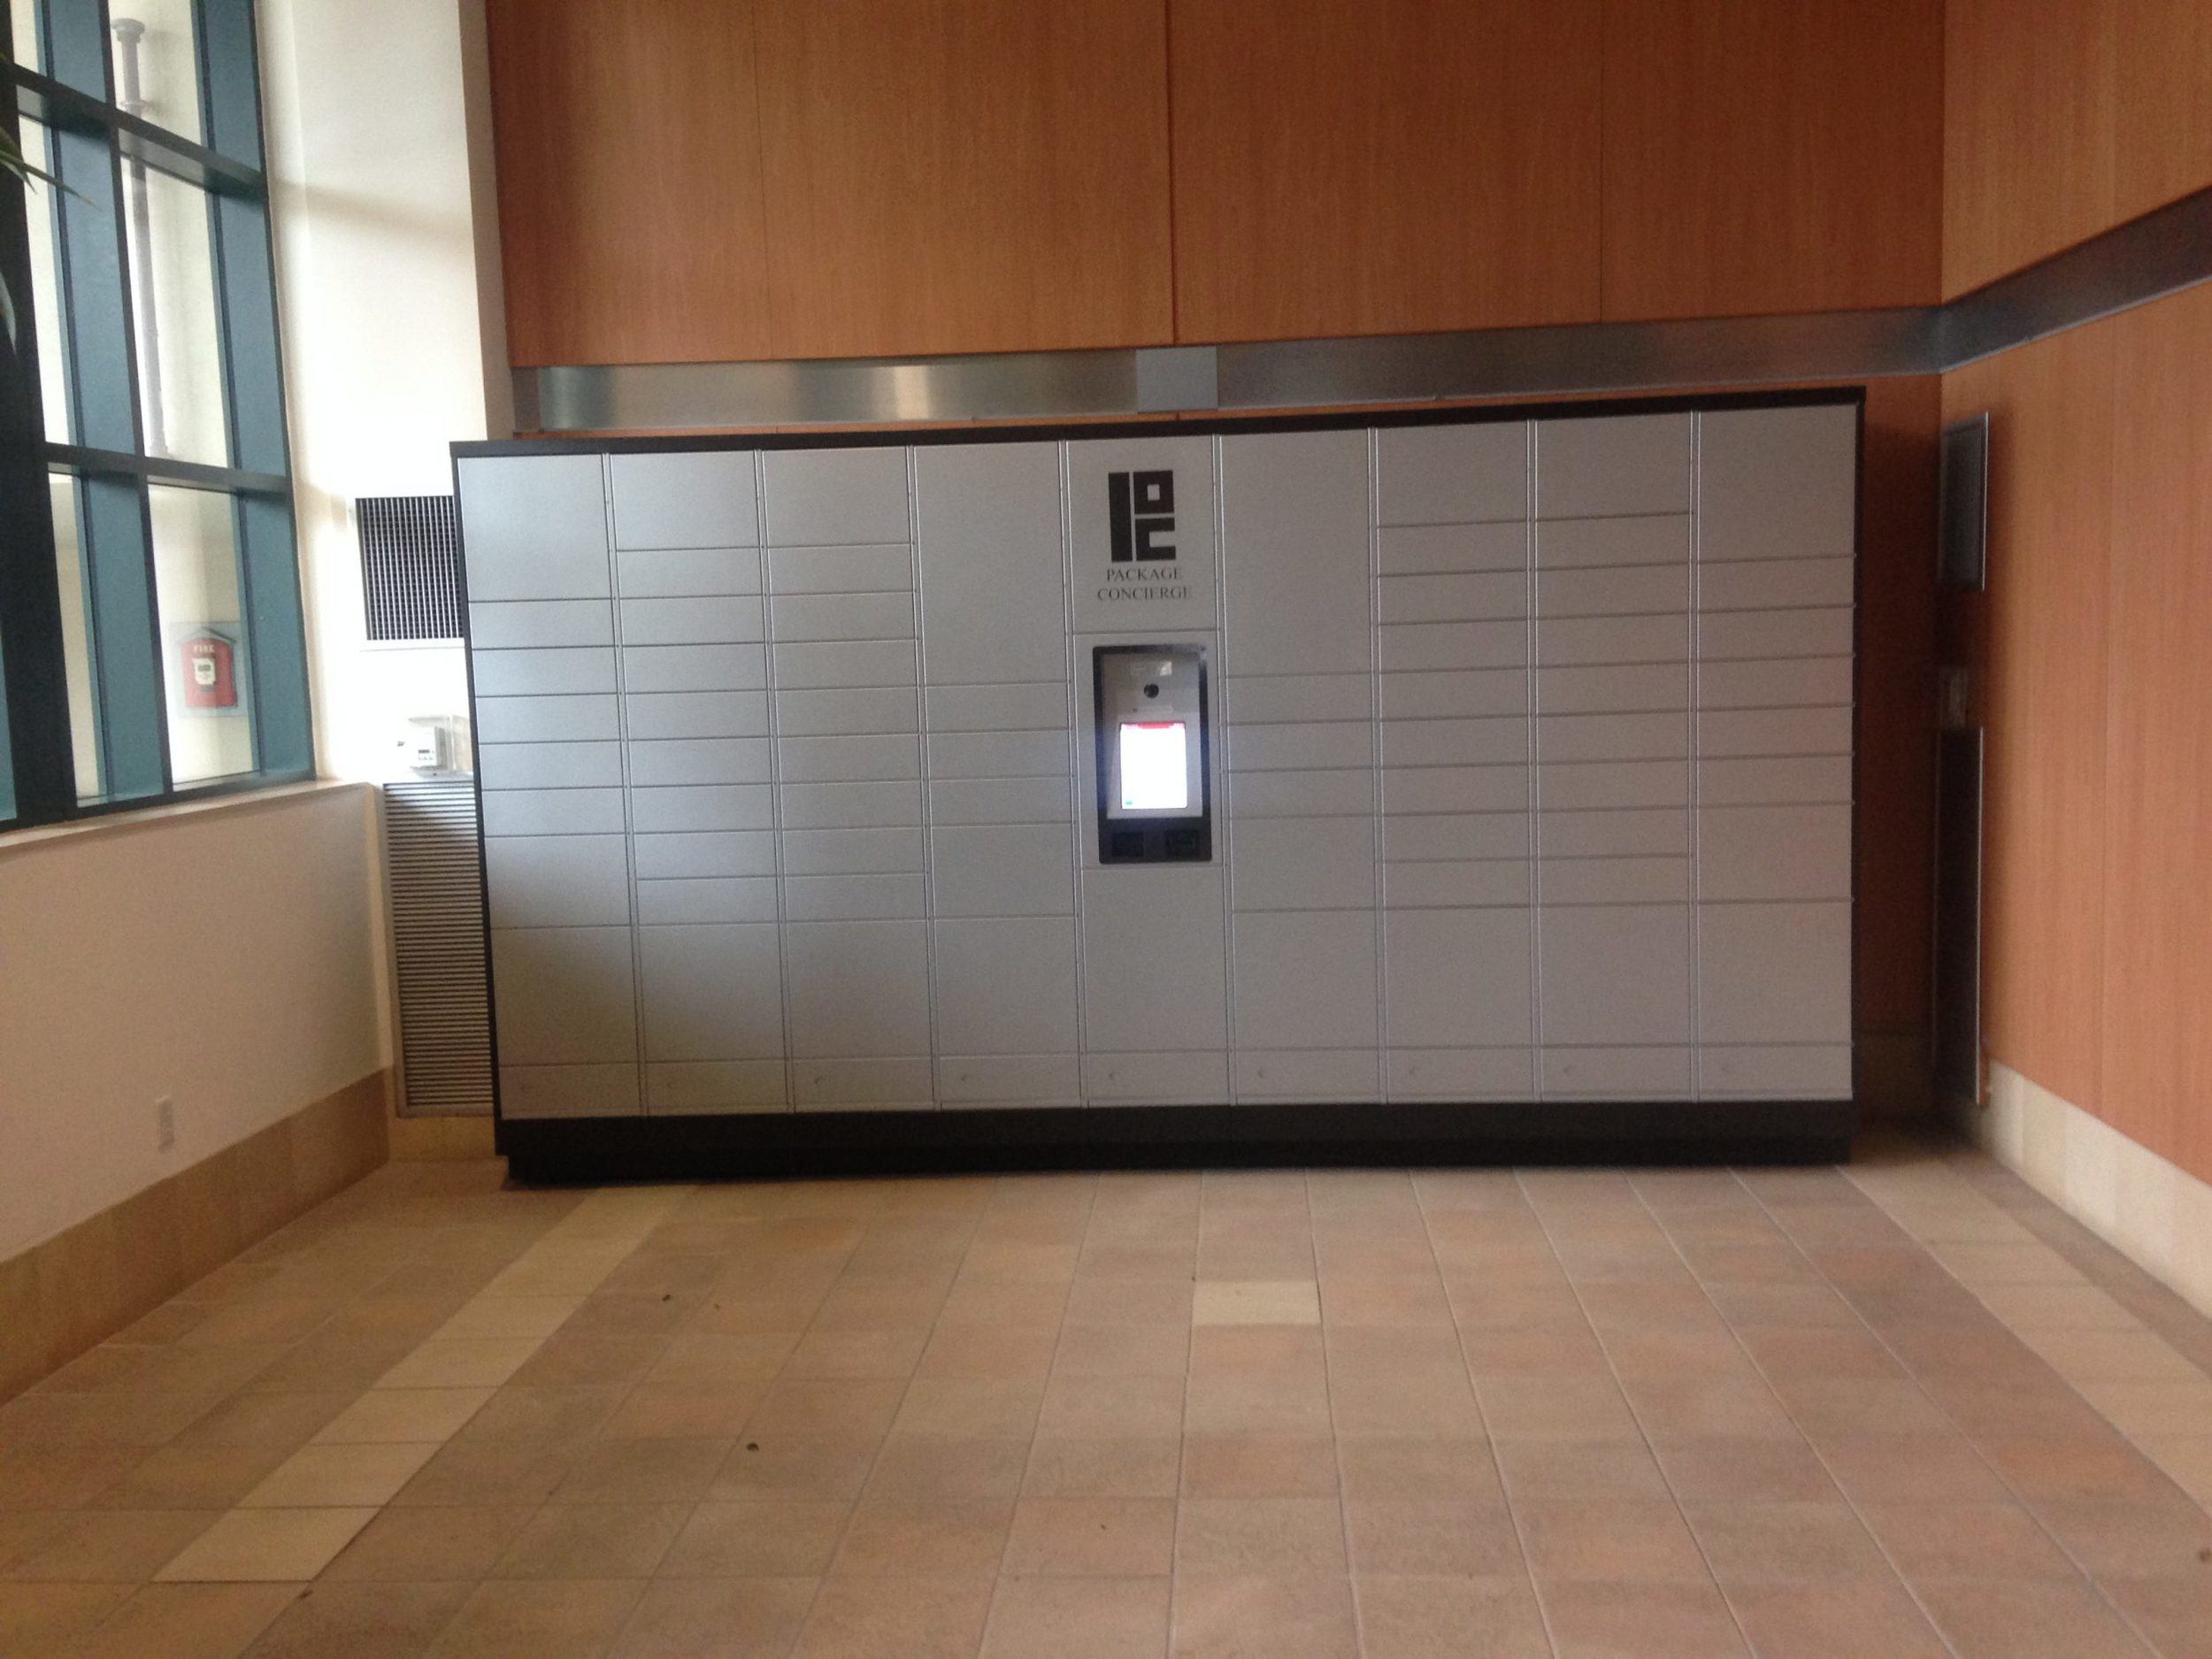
point(134, 820)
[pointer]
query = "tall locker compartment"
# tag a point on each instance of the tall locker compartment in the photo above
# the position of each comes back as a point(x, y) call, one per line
point(844, 667)
point(1778, 529)
point(695, 710)
point(1614, 537)
point(550, 764)
point(1153, 963)
point(1452, 587)
point(998, 754)
point(1298, 635)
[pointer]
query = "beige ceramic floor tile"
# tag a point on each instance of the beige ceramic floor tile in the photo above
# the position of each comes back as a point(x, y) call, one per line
point(1257, 1301)
point(257, 1546)
point(399, 1415)
point(187, 1621)
point(1078, 1618)
point(341, 1475)
point(458, 1363)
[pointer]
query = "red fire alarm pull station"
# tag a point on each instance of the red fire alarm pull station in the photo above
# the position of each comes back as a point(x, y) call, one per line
point(211, 676)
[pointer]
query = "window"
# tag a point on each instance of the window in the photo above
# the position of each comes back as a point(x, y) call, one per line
point(150, 635)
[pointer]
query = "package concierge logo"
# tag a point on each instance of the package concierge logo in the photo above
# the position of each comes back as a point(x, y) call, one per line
point(1140, 510)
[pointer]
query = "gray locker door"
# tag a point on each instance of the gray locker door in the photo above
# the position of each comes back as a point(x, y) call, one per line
point(695, 500)
point(533, 526)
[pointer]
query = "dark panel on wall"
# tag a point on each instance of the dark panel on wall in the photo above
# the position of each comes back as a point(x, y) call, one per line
point(1768, 155)
point(629, 181)
point(1391, 167)
point(965, 175)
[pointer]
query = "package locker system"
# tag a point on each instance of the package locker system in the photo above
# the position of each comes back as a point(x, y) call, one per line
point(1447, 785)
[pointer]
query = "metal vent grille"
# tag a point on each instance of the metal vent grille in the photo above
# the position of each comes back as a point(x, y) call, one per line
point(437, 888)
point(410, 554)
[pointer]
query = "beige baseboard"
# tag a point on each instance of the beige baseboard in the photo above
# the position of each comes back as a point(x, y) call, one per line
point(84, 1286)
point(2151, 1211)
point(432, 1139)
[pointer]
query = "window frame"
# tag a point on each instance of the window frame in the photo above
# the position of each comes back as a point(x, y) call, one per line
point(72, 96)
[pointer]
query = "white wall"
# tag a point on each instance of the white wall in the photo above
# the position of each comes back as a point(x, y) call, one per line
point(225, 955)
point(391, 352)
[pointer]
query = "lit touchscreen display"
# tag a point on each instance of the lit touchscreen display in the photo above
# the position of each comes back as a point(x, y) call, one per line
point(1155, 770)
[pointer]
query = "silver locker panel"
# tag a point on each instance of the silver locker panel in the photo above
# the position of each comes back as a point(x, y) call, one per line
point(682, 900)
point(712, 992)
point(1623, 1074)
point(837, 664)
point(1779, 732)
point(1094, 601)
point(842, 570)
point(1774, 782)
point(1006, 986)
point(1631, 832)
point(1565, 641)
point(1583, 543)
point(1159, 1078)
point(836, 498)
point(540, 623)
point(684, 500)
point(716, 1086)
point(715, 852)
point(1613, 689)
point(733, 619)
point(1291, 699)
point(1309, 1074)
point(1420, 789)
point(1477, 742)
point(1446, 884)
point(848, 713)
point(557, 880)
point(1000, 801)
point(1302, 794)
point(694, 668)
point(1615, 974)
point(568, 1091)
point(1010, 1079)
point(1425, 549)
point(1776, 585)
point(1460, 1073)
point(1303, 864)
point(1774, 852)
point(994, 582)
point(1154, 972)
point(851, 805)
point(1616, 880)
point(855, 898)
point(1295, 552)
point(1315, 747)
point(546, 719)
point(803, 618)
point(1615, 783)
point(705, 807)
point(1458, 978)
point(882, 758)
point(549, 765)
point(1305, 980)
point(1733, 635)
point(854, 1084)
point(1636, 591)
point(533, 526)
point(1799, 1072)
point(858, 988)
point(1452, 598)
point(1576, 739)
point(1779, 483)
point(564, 994)
point(1000, 754)
point(1020, 870)
point(1455, 835)
point(1454, 693)
point(853, 852)
point(1401, 647)
point(542, 673)
point(1774, 973)
point(1452, 474)
point(677, 573)
point(1602, 466)
point(1788, 683)
point(1023, 707)
point(697, 760)
point(672, 714)
point(553, 812)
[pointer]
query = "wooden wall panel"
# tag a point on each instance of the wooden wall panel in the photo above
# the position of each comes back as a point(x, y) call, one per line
point(2028, 132)
point(2043, 688)
point(965, 175)
point(2162, 147)
point(1766, 155)
point(1895, 782)
point(629, 181)
point(2157, 1071)
point(1391, 166)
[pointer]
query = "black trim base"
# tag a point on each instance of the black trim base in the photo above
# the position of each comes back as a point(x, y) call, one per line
point(805, 1144)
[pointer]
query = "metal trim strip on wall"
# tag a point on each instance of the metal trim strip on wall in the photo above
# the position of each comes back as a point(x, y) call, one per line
point(2141, 261)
